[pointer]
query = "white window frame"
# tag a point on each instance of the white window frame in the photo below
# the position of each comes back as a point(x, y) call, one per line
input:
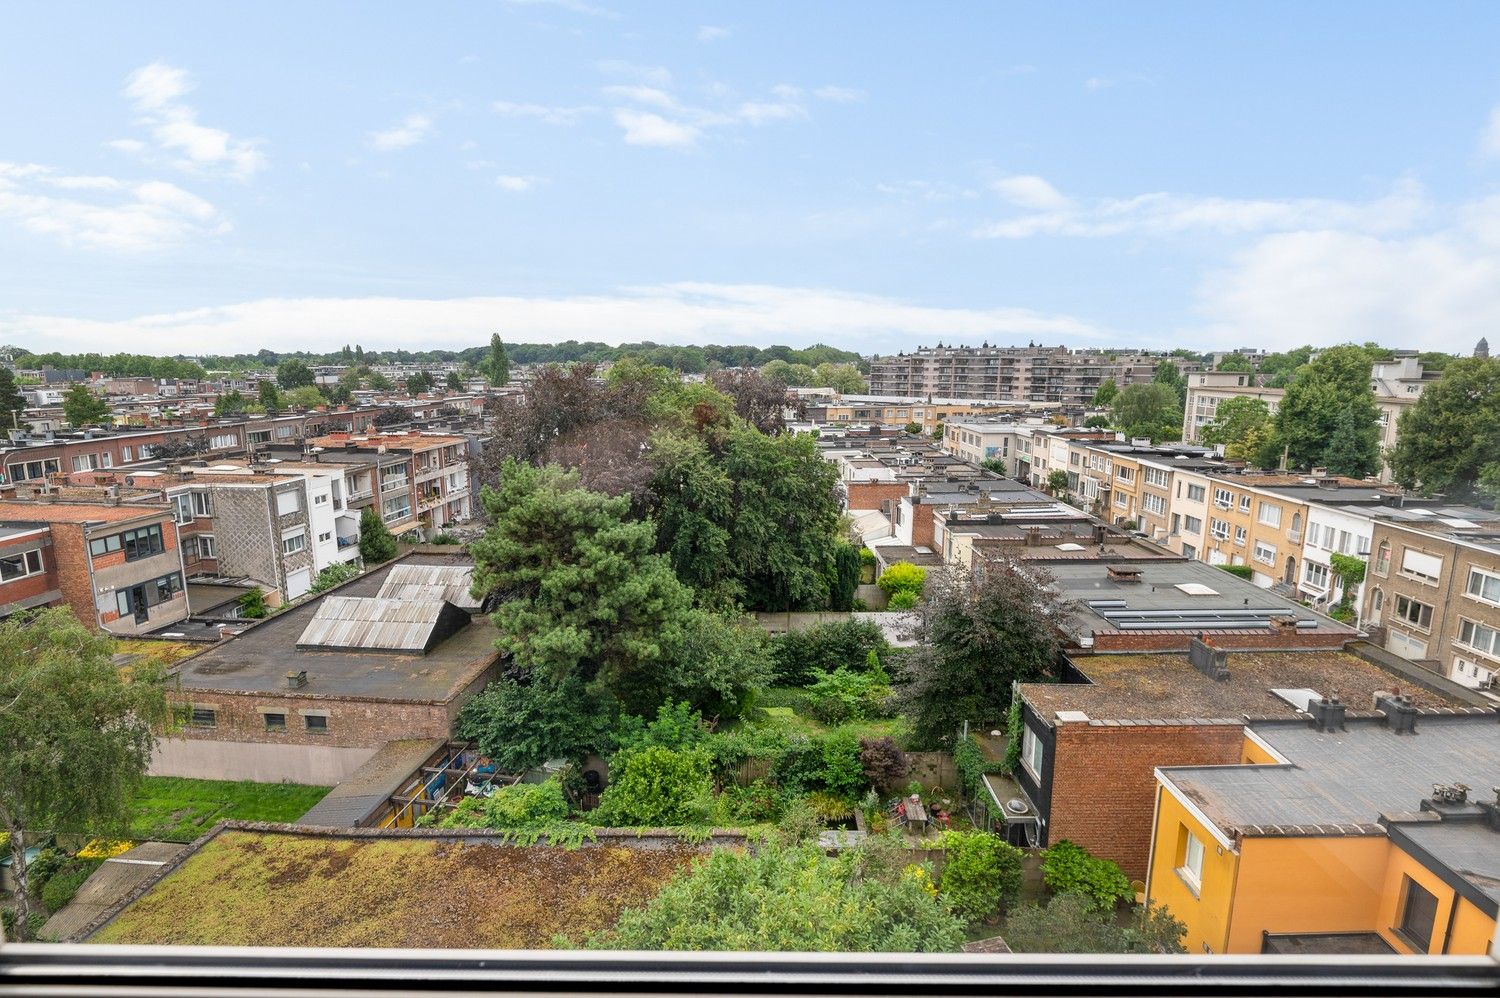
point(1469, 630)
point(1031, 751)
point(1483, 578)
point(1191, 869)
point(294, 542)
point(1265, 553)
point(1269, 514)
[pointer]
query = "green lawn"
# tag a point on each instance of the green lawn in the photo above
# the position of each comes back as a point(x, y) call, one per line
point(179, 810)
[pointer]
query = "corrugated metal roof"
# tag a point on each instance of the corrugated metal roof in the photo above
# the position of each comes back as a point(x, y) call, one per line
point(431, 582)
point(372, 622)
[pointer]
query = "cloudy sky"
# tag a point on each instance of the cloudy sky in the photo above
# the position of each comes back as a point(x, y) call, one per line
point(190, 177)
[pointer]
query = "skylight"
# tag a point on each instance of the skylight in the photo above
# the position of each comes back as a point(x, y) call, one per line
point(1197, 589)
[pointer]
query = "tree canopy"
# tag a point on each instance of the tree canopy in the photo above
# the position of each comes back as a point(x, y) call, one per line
point(1151, 410)
point(1450, 438)
point(1333, 389)
point(75, 736)
point(81, 407)
point(293, 374)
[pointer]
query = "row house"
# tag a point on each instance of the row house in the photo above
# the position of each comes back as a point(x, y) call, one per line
point(1432, 590)
point(1250, 525)
point(117, 567)
point(998, 439)
point(417, 481)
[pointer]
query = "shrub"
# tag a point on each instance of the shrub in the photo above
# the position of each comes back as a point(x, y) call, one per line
point(252, 604)
point(60, 888)
point(842, 695)
point(1243, 571)
point(969, 762)
point(799, 823)
point(1069, 869)
point(375, 541)
point(866, 558)
point(334, 575)
point(843, 774)
point(657, 787)
point(981, 872)
point(796, 655)
point(1014, 722)
point(759, 802)
point(1072, 923)
point(903, 600)
point(677, 726)
point(445, 538)
point(902, 577)
point(884, 764)
point(518, 806)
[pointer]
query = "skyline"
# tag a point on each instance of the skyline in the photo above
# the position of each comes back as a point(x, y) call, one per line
point(564, 170)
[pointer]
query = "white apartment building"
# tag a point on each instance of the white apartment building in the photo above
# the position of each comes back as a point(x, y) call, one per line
point(1333, 530)
point(1206, 390)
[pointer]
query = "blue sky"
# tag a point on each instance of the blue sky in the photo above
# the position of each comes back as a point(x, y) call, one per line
point(208, 177)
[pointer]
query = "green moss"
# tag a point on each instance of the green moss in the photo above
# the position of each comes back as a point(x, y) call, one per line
point(179, 810)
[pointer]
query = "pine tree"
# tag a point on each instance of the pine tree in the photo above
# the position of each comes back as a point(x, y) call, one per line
point(498, 365)
point(375, 541)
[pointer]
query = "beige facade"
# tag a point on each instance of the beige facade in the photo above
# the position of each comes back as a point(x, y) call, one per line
point(1206, 390)
point(1249, 526)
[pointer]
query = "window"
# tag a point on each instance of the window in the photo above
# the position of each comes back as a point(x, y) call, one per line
point(1240, 536)
point(1383, 558)
point(1418, 912)
point(201, 504)
point(203, 717)
point(1485, 640)
point(1219, 529)
point(1160, 477)
point(1031, 752)
point(207, 546)
point(1413, 612)
point(1190, 862)
point(1484, 586)
point(1265, 553)
point(1270, 514)
point(1154, 504)
point(320, 499)
point(182, 508)
point(18, 566)
point(1315, 575)
point(166, 587)
point(1244, 504)
point(1192, 524)
point(315, 723)
point(139, 543)
point(1125, 474)
point(292, 543)
point(86, 462)
point(275, 722)
point(288, 503)
point(126, 455)
point(1421, 566)
point(325, 537)
point(1223, 498)
point(221, 441)
point(1195, 493)
point(106, 460)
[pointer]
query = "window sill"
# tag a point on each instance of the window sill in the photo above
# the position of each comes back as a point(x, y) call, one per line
point(1194, 887)
point(1415, 945)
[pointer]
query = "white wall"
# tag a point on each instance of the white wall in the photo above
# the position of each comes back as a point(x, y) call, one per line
point(201, 759)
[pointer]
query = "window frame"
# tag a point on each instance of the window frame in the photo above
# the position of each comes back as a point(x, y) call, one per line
point(1190, 868)
point(1421, 939)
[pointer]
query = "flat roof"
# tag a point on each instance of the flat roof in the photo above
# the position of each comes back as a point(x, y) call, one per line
point(1143, 687)
point(258, 659)
point(245, 887)
point(1343, 781)
point(373, 783)
point(75, 512)
point(1155, 601)
point(1468, 848)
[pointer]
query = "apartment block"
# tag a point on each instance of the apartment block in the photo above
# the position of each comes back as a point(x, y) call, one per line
point(1432, 590)
point(1207, 389)
point(1012, 374)
point(117, 567)
point(416, 481)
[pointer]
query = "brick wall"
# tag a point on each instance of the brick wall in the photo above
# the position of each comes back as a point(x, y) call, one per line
point(70, 554)
point(870, 495)
point(1104, 785)
point(923, 524)
point(351, 723)
point(1233, 640)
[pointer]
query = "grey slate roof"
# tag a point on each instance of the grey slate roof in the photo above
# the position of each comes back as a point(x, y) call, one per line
point(1342, 782)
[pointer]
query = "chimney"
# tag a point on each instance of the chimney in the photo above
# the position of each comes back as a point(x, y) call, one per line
point(1121, 573)
point(1400, 713)
point(1327, 713)
point(1451, 794)
point(1212, 662)
point(296, 680)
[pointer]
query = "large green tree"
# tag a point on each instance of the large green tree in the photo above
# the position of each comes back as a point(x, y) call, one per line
point(977, 635)
point(496, 366)
point(82, 407)
point(1169, 374)
point(1245, 428)
point(1333, 388)
point(1354, 448)
point(1447, 440)
point(270, 397)
point(75, 736)
point(1151, 410)
point(585, 592)
point(293, 374)
point(1106, 392)
point(1234, 363)
point(12, 402)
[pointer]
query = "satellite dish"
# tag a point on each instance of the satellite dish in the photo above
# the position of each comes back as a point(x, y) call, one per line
point(1015, 806)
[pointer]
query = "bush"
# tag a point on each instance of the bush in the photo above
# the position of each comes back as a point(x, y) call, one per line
point(1243, 571)
point(884, 763)
point(866, 558)
point(797, 655)
point(841, 696)
point(521, 725)
point(445, 538)
point(522, 805)
point(1072, 923)
point(252, 604)
point(902, 577)
point(334, 575)
point(903, 600)
point(969, 761)
point(657, 787)
point(375, 541)
point(981, 873)
point(759, 802)
point(1069, 869)
point(60, 888)
point(677, 726)
point(843, 773)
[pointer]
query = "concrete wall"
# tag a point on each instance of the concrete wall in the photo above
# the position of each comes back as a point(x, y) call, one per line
point(200, 759)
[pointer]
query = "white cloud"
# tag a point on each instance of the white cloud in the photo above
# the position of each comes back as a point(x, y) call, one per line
point(1052, 214)
point(134, 147)
point(1489, 139)
point(712, 33)
point(640, 94)
point(104, 213)
point(516, 184)
point(411, 130)
point(642, 128)
point(550, 114)
point(156, 90)
point(760, 112)
point(1434, 290)
point(839, 95)
point(1030, 191)
point(656, 76)
point(668, 313)
point(1098, 83)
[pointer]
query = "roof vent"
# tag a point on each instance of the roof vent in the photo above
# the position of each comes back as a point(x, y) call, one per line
point(1327, 713)
point(296, 680)
point(1400, 713)
point(1122, 573)
point(1455, 793)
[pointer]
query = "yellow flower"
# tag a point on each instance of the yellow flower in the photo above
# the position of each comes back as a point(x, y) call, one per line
point(104, 849)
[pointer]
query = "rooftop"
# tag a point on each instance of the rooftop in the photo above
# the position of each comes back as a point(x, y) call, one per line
point(245, 887)
point(74, 512)
point(1468, 848)
point(1143, 687)
point(258, 659)
point(370, 786)
point(1345, 780)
